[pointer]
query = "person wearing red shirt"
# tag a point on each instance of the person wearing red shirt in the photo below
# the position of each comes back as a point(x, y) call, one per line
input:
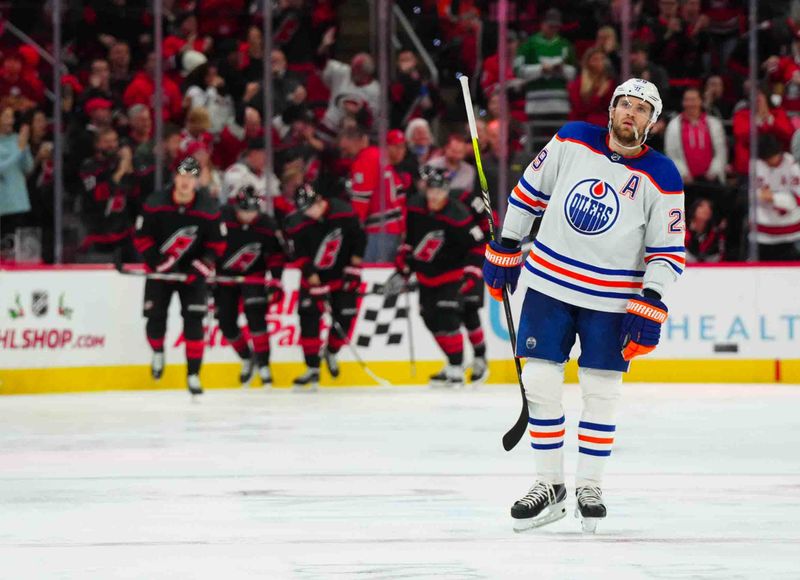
point(382, 217)
point(771, 120)
point(142, 91)
point(590, 92)
point(19, 90)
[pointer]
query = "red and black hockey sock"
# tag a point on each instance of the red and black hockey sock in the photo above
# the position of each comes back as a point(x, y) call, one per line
point(156, 329)
point(472, 322)
point(453, 346)
point(261, 347)
point(311, 346)
point(241, 347)
point(193, 333)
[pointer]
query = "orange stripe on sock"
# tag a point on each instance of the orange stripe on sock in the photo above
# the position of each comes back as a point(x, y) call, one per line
point(547, 435)
point(603, 440)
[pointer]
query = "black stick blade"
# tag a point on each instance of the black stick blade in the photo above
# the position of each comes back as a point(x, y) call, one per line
point(515, 434)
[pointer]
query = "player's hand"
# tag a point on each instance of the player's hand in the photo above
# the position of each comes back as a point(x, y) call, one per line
point(641, 326)
point(501, 267)
point(352, 278)
point(472, 278)
point(275, 292)
point(203, 268)
point(166, 265)
point(401, 261)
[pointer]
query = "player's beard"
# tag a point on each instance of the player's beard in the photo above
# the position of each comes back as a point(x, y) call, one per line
point(625, 135)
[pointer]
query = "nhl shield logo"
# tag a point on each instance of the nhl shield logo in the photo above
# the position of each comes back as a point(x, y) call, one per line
point(39, 303)
point(591, 207)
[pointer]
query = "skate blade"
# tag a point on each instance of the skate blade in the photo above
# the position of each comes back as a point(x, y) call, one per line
point(305, 389)
point(479, 381)
point(589, 525)
point(550, 515)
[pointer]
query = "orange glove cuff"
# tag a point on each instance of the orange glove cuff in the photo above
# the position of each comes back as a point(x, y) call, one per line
point(646, 310)
point(503, 260)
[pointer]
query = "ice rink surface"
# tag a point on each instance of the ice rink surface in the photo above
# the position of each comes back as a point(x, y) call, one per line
point(395, 483)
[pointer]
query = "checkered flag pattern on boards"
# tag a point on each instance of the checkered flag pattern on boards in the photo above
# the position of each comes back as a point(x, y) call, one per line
point(382, 319)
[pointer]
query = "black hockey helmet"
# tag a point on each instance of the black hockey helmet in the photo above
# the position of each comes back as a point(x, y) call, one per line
point(188, 166)
point(247, 199)
point(435, 177)
point(305, 196)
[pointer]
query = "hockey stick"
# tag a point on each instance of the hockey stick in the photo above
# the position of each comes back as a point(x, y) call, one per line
point(513, 435)
point(343, 335)
point(180, 277)
point(410, 334)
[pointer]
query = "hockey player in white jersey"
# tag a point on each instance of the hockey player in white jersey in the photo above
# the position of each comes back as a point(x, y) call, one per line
point(610, 244)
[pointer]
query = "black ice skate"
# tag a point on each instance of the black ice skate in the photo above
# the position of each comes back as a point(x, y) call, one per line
point(543, 504)
point(330, 360)
point(247, 371)
point(451, 376)
point(308, 381)
point(590, 507)
point(157, 365)
point(480, 371)
point(265, 375)
point(193, 384)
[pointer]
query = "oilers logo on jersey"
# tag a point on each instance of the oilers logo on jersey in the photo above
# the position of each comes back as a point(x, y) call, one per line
point(591, 207)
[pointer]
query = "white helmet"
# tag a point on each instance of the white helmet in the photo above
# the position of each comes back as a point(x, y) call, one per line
point(642, 89)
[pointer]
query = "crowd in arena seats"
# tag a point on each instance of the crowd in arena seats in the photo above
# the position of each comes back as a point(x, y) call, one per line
point(563, 62)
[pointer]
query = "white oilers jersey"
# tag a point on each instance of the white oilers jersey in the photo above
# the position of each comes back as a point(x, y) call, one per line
point(778, 221)
point(611, 225)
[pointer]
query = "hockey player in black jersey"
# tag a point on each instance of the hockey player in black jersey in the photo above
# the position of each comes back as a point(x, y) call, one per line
point(179, 232)
point(472, 298)
point(328, 245)
point(253, 248)
point(443, 248)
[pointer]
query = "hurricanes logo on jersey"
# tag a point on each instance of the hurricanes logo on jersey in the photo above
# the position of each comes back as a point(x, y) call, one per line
point(591, 207)
point(244, 258)
point(177, 244)
point(329, 250)
point(429, 246)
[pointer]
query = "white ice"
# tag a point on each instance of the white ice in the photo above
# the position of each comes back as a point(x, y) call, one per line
point(394, 483)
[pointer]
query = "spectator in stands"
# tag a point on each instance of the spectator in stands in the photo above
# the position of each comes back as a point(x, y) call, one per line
point(590, 92)
point(287, 88)
point(142, 88)
point(99, 81)
point(119, 62)
point(196, 131)
point(382, 216)
point(490, 160)
point(82, 137)
point(144, 162)
point(419, 138)
point(607, 41)
point(140, 129)
point(714, 101)
point(109, 185)
point(778, 210)
point(40, 180)
point(705, 239)
point(233, 138)
point(21, 90)
point(404, 165)
point(354, 81)
point(252, 56)
point(16, 162)
point(696, 143)
point(205, 88)
point(251, 169)
point(296, 30)
point(185, 38)
point(771, 120)
point(546, 61)
point(490, 72)
point(695, 25)
point(411, 95)
point(643, 67)
point(460, 174)
point(299, 141)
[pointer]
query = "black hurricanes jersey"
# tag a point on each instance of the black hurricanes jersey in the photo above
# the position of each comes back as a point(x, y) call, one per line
point(185, 232)
point(325, 247)
point(251, 248)
point(441, 244)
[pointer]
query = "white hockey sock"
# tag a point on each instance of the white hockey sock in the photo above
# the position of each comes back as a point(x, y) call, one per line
point(544, 386)
point(596, 430)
